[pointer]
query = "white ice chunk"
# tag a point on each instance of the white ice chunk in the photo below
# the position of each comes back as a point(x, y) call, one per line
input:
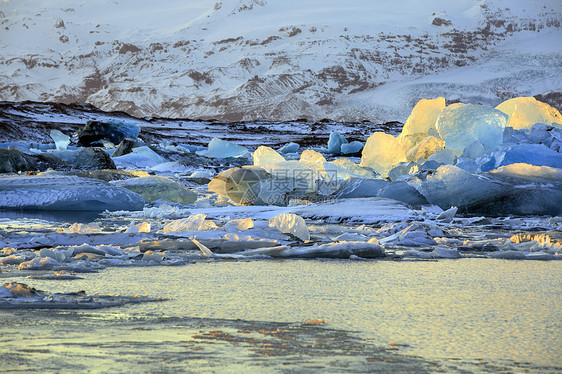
point(84, 228)
point(265, 156)
point(155, 188)
point(290, 223)
point(524, 112)
point(61, 140)
point(43, 192)
point(382, 152)
point(240, 224)
point(139, 227)
point(219, 148)
point(196, 222)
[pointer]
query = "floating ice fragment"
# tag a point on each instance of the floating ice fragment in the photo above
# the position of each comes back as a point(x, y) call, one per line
point(290, 223)
point(443, 252)
point(447, 215)
point(139, 227)
point(461, 125)
point(241, 224)
point(219, 148)
point(196, 222)
point(524, 112)
point(61, 140)
point(39, 263)
point(445, 157)
point(83, 228)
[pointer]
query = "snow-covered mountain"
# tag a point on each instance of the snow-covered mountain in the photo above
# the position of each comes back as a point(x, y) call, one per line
point(278, 59)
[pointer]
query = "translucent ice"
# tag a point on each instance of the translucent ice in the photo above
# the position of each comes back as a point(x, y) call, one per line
point(290, 223)
point(155, 188)
point(265, 156)
point(65, 193)
point(61, 140)
point(423, 118)
point(240, 224)
point(461, 125)
point(140, 158)
point(219, 148)
point(425, 148)
point(382, 152)
point(524, 112)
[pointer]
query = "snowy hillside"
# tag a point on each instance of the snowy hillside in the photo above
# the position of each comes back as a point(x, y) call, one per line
point(278, 60)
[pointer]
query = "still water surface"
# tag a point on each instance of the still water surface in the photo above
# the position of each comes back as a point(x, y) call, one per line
point(473, 314)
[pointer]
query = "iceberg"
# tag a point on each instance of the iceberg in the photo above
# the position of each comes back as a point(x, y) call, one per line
point(140, 158)
point(399, 191)
point(44, 192)
point(219, 148)
point(524, 112)
point(382, 152)
point(155, 188)
point(61, 140)
point(462, 124)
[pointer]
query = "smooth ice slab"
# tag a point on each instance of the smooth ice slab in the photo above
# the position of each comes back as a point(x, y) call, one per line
point(265, 156)
point(65, 193)
point(423, 117)
point(462, 124)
